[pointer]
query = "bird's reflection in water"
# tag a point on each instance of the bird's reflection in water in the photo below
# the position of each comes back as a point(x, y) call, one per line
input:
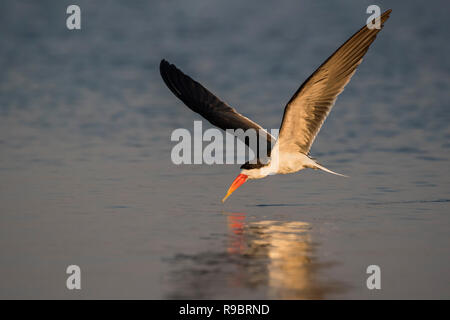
point(271, 259)
point(284, 250)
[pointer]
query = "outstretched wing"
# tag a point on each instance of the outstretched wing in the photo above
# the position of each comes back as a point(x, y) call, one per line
point(308, 108)
point(201, 100)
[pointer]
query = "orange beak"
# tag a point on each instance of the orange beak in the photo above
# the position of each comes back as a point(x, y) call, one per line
point(239, 181)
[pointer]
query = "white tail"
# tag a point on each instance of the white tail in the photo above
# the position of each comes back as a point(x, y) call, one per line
point(318, 166)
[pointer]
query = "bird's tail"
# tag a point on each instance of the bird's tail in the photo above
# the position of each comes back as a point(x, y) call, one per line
point(320, 167)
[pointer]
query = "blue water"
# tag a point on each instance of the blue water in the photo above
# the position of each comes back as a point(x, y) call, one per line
point(86, 176)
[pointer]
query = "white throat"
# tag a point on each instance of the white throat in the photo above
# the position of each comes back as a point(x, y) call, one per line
point(260, 172)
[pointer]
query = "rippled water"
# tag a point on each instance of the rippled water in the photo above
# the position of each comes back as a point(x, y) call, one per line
point(86, 177)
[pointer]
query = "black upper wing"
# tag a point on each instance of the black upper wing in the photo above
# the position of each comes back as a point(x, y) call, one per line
point(202, 101)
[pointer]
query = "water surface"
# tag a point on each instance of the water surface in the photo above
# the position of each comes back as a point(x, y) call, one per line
point(86, 177)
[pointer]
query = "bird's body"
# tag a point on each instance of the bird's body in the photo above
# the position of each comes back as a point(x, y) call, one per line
point(303, 115)
point(280, 163)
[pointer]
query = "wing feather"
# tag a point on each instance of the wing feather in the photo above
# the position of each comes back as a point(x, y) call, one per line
point(312, 102)
point(202, 101)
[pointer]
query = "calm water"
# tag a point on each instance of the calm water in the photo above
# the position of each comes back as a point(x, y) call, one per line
point(86, 177)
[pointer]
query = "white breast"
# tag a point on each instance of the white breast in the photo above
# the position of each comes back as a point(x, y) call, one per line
point(292, 162)
point(283, 162)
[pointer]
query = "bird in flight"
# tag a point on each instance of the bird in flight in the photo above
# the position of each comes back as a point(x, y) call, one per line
point(303, 115)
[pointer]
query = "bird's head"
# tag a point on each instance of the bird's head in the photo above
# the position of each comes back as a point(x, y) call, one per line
point(248, 171)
